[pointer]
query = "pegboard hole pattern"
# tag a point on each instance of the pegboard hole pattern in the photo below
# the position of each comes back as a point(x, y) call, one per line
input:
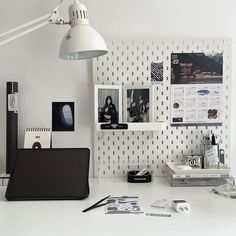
point(128, 63)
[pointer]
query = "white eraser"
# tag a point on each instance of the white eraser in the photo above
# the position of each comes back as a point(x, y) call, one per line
point(160, 203)
point(142, 172)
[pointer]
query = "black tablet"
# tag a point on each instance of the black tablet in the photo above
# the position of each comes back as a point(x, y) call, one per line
point(49, 174)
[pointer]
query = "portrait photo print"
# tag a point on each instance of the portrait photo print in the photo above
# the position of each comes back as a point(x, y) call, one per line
point(63, 116)
point(108, 102)
point(138, 104)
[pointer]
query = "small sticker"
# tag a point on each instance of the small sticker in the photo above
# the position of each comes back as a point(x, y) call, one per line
point(13, 102)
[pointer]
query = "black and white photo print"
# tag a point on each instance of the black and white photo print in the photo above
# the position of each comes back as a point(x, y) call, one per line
point(138, 104)
point(156, 72)
point(108, 104)
point(63, 116)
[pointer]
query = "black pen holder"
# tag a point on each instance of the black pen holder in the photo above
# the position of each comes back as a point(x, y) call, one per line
point(133, 178)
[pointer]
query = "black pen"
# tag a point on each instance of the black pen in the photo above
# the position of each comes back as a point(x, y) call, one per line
point(213, 140)
point(95, 205)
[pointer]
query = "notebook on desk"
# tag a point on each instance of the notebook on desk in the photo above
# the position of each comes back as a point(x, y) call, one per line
point(49, 174)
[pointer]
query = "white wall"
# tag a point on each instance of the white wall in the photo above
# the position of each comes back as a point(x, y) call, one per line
point(43, 78)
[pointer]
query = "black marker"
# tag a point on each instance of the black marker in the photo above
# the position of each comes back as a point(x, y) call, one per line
point(95, 205)
point(213, 140)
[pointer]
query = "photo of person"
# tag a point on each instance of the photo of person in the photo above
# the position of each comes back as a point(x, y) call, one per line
point(137, 105)
point(108, 112)
point(107, 104)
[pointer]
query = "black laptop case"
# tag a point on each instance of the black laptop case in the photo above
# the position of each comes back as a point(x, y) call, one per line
point(49, 174)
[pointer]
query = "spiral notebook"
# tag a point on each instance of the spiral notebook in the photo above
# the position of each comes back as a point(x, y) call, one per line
point(37, 138)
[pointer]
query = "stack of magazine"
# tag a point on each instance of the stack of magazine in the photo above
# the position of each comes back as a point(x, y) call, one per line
point(197, 177)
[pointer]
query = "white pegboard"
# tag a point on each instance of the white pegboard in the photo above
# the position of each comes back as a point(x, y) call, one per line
point(128, 63)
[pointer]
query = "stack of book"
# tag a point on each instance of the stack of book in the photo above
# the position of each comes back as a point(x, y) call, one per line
point(197, 177)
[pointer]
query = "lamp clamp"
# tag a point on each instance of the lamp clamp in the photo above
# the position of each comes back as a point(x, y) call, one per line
point(55, 18)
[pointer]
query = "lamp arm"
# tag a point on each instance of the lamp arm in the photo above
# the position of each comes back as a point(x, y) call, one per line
point(25, 25)
point(24, 33)
point(52, 18)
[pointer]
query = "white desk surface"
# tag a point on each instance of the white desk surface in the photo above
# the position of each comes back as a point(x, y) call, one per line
point(211, 214)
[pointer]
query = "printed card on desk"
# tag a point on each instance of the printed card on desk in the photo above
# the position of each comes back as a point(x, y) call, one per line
point(123, 205)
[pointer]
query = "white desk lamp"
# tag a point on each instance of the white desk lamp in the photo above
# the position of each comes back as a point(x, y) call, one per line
point(80, 42)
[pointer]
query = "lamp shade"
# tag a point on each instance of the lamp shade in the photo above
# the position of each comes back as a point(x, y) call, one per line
point(81, 41)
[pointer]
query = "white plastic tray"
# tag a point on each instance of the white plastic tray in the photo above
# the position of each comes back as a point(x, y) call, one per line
point(222, 170)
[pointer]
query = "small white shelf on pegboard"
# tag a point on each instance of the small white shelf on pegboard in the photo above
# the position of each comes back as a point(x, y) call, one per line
point(151, 126)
